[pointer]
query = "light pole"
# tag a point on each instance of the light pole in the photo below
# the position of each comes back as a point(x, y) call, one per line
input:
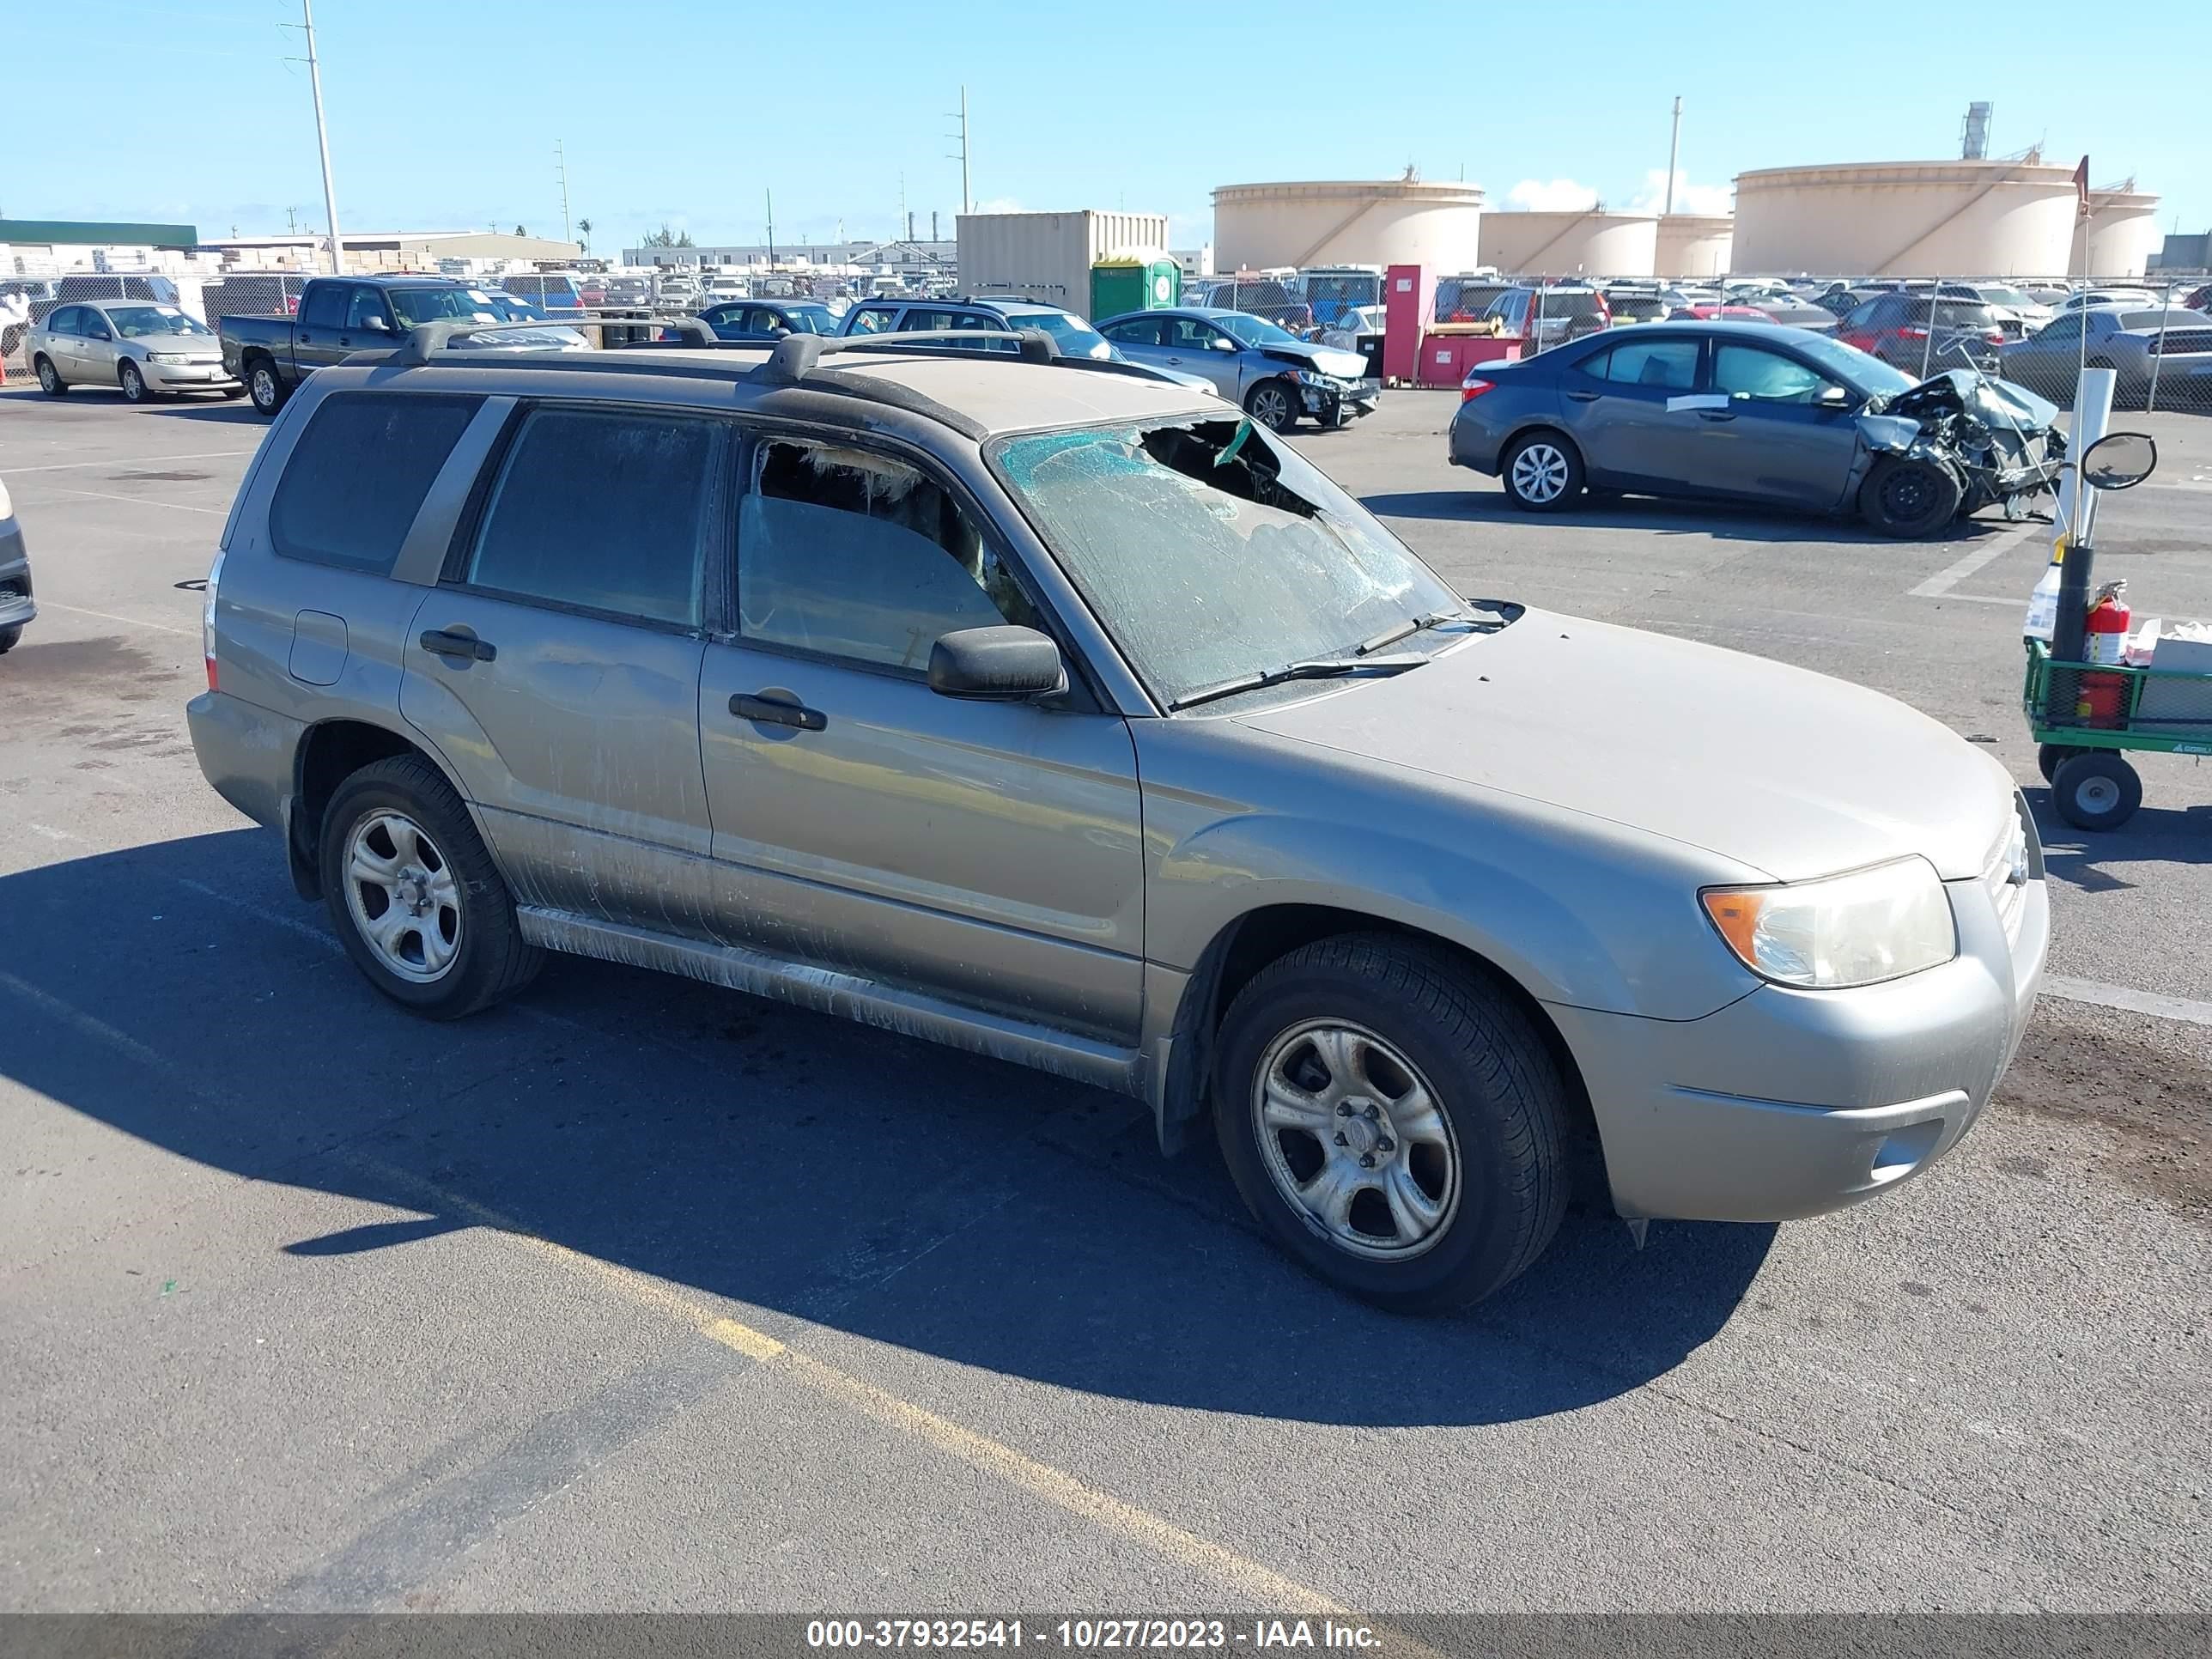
point(322, 137)
point(1673, 155)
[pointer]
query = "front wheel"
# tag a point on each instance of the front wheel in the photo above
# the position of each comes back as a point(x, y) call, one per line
point(1909, 499)
point(1275, 405)
point(2052, 755)
point(132, 381)
point(8, 636)
point(266, 388)
point(417, 900)
point(1542, 473)
point(1392, 1121)
point(2096, 790)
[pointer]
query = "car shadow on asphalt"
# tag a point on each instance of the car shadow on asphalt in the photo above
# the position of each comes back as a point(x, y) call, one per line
point(1722, 520)
point(854, 1179)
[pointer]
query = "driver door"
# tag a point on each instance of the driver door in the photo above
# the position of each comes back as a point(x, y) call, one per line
point(1196, 347)
point(96, 347)
point(983, 854)
point(1764, 436)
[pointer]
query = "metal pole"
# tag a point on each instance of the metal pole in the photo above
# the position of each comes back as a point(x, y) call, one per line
point(770, 195)
point(967, 195)
point(1928, 341)
point(323, 138)
point(2158, 351)
point(561, 167)
point(1673, 154)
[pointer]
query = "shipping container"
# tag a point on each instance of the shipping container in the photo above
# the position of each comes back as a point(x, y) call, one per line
point(1048, 257)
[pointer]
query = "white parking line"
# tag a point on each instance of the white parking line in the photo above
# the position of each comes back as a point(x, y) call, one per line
point(135, 460)
point(1940, 585)
point(137, 500)
point(45, 604)
point(2135, 1002)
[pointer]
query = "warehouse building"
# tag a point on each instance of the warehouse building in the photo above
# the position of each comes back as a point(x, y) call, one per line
point(388, 250)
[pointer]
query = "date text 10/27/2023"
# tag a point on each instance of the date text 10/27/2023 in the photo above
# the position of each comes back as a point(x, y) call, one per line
point(1090, 1635)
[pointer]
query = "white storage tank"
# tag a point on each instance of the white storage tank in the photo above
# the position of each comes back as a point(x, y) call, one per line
point(1694, 245)
point(1907, 219)
point(1347, 222)
point(1591, 242)
point(2122, 232)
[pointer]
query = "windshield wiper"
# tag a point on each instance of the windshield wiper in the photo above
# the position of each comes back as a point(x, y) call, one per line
point(1411, 626)
point(1312, 668)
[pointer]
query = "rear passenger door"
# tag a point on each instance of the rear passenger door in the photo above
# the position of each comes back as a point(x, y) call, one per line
point(1628, 410)
point(983, 854)
point(555, 665)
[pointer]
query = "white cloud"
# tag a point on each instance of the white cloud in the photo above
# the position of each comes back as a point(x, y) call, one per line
point(1550, 195)
point(1688, 198)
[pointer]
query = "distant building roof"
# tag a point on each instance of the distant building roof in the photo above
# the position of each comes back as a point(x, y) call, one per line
point(95, 232)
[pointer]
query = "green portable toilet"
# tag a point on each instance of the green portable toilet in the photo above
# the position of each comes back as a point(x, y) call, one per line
point(1134, 279)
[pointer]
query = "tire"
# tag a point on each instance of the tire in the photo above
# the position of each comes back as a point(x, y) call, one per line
point(1399, 1017)
point(2052, 756)
point(266, 386)
point(132, 380)
point(49, 378)
point(2096, 790)
point(1542, 473)
point(232, 394)
point(8, 636)
point(1910, 500)
point(1275, 403)
point(477, 956)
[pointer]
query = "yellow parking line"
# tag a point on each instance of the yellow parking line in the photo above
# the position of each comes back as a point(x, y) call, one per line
point(1260, 1586)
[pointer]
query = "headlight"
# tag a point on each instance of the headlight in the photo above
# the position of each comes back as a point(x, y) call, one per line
point(166, 357)
point(1312, 377)
point(1858, 929)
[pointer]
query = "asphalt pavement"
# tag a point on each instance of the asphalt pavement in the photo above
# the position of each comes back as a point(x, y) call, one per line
point(639, 1294)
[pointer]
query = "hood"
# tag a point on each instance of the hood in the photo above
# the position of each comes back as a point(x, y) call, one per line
point(1344, 365)
point(1999, 403)
point(208, 347)
point(1787, 771)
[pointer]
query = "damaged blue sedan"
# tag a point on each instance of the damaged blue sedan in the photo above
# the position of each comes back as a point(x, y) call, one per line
point(1770, 417)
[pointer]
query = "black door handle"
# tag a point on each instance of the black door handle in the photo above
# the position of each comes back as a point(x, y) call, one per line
point(441, 643)
point(1583, 396)
point(1716, 414)
point(774, 711)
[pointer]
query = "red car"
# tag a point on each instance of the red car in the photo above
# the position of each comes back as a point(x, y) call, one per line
point(1896, 327)
point(2199, 299)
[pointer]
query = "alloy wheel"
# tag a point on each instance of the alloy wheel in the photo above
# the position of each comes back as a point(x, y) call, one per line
point(1351, 1136)
point(403, 896)
point(1540, 473)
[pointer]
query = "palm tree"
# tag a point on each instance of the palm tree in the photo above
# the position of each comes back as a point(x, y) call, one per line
point(584, 226)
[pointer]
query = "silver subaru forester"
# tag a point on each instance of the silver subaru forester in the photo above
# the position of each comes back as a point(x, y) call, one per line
point(1046, 710)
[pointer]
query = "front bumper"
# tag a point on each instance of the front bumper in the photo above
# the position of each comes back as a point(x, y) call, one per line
point(1789, 1103)
point(188, 377)
point(16, 606)
point(1343, 400)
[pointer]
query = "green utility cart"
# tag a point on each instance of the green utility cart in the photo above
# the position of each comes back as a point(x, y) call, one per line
point(2084, 715)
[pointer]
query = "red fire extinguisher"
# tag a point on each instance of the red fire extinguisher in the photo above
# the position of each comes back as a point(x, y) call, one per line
point(2105, 640)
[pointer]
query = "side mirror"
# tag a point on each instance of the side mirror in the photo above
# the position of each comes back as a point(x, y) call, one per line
point(998, 665)
point(1833, 397)
point(1222, 342)
point(376, 325)
point(2118, 461)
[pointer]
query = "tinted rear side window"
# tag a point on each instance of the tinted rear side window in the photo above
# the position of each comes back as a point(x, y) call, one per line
point(603, 511)
point(359, 473)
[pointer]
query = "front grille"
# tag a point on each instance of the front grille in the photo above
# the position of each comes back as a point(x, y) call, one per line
point(2005, 876)
point(13, 588)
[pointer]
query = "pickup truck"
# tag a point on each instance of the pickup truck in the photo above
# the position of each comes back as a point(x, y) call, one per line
point(339, 316)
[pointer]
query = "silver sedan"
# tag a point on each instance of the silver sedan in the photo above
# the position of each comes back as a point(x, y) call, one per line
point(142, 348)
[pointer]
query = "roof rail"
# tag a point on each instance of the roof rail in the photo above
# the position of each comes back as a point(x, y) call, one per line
point(426, 338)
point(795, 355)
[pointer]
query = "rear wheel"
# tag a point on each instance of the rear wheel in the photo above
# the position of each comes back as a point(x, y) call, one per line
point(1542, 473)
point(1275, 405)
point(49, 378)
point(2052, 756)
point(1909, 499)
point(417, 900)
point(2096, 790)
point(265, 387)
point(1392, 1122)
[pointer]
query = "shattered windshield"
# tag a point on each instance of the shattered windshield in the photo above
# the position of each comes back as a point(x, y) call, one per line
point(1211, 551)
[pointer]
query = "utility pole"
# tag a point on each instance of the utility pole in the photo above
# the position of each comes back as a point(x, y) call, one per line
point(561, 168)
point(1673, 154)
point(322, 136)
point(771, 223)
point(966, 196)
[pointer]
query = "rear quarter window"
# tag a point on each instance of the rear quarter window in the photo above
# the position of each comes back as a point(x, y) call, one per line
point(358, 475)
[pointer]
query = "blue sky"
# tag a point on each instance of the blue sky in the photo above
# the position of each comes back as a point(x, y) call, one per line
point(444, 116)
